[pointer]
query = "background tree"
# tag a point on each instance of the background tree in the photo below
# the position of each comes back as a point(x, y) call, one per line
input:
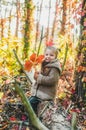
point(64, 17)
point(48, 29)
point(17, 17)
point(80, 73)
point(28, 26)
point(38, 15)
point(54, 21)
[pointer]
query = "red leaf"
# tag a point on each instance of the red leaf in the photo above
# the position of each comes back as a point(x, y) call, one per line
point(82, 13)
point(28, 65)
point(39, 59)
point(72, 90)
point(75, 110)
point(49, 43)
point(12, 118)
point(33, 57)
point(23, 118)
point(72, 26)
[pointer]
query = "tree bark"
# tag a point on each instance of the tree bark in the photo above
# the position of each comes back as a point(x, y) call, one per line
point(28, 27)
point(54, 22)
point(64, 17)
point(17, 17)
point(38, 23)
point(48, 29)
point(80, 73)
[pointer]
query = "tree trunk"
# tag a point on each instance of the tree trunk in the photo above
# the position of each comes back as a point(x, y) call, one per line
point(80, 73)
point(54, 22)
point(48, 31)
point(2, 27)
point(9, 28)
point(2, 24)
point(64, 17)
point(38, 23)
point(28, 27)
point(17, 17)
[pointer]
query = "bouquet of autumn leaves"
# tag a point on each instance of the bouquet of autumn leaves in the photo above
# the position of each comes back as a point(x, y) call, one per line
point(32, 65)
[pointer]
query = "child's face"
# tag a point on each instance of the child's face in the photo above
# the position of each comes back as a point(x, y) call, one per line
point(49, 55)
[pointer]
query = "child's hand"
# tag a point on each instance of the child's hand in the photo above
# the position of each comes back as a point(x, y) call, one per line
point(36, 75)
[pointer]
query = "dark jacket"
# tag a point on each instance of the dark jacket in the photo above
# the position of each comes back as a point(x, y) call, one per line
point(46, 85)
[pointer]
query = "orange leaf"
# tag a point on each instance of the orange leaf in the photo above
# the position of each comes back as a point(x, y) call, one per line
point(28, 65)
point(33, 57)
point(80, 68)
point(39, 59)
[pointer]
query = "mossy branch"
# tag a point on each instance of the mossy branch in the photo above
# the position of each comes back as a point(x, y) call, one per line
point(32, 116)
point(74, 121)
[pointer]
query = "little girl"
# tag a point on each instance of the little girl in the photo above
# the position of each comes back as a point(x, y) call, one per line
point(45, 86)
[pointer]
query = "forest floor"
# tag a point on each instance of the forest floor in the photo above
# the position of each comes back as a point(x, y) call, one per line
point(14, 117)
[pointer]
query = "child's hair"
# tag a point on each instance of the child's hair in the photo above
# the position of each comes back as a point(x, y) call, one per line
point(55, 50)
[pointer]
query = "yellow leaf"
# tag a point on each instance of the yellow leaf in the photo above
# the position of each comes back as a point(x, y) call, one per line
point(0, 110)
point(12, 100)
point(27, 128)
point(62, 95)
point(1, 94)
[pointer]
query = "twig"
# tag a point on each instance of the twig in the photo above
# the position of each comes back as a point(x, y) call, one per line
point(68, 81)
point(40, 41)
point(21, 66)
point(66, 51)
point(43, 110)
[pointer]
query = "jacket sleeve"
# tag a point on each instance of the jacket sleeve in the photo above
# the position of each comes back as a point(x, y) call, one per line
point(49, 80)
